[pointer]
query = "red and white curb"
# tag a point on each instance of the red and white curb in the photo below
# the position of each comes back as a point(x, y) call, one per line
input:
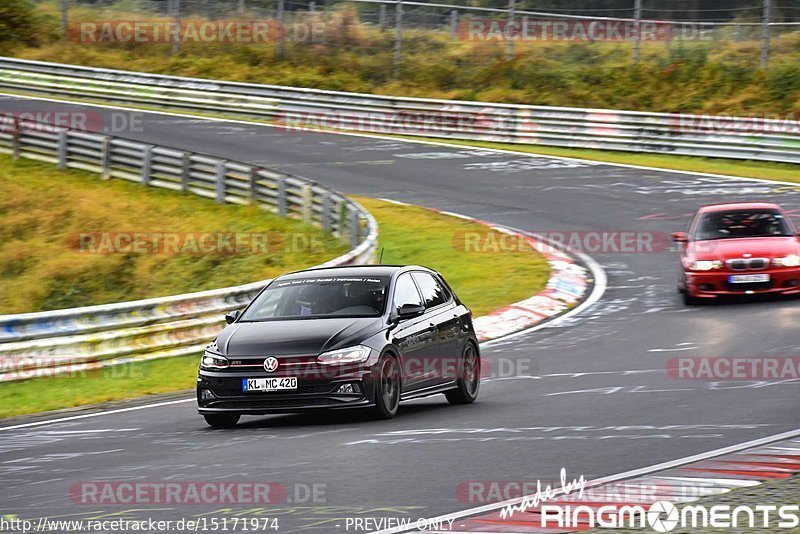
point(568, 285)
point(678, 482)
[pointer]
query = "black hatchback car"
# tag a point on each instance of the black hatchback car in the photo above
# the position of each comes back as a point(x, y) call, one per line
point(346, 337)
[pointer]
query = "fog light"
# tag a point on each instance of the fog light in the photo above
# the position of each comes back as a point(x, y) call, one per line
point(348, 388)
point(792, 283)
point(706, 287)
point(206, 394)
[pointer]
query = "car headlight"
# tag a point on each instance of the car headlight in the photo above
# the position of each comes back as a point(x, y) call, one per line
point(357, 354)
point(705, 265)
point(792, 260)
point(213, 361)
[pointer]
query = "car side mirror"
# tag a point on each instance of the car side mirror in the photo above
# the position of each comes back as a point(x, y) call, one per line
point(409, 311)
point(680, 237)
point(231, 316)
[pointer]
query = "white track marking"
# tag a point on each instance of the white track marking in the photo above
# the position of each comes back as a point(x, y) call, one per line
point(400, 139)
point(612, 478)
point(95, 414)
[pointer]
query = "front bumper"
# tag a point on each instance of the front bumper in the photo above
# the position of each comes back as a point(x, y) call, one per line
point(221, 392)
point(784, 281)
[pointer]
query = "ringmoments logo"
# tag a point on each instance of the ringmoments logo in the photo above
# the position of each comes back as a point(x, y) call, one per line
point(664, 516)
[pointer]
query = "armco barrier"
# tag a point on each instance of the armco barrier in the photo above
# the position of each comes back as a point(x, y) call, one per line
point(33, 344)
point(681, 134)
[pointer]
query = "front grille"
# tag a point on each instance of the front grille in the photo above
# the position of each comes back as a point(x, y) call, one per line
point(755, 286)
point(748, 264)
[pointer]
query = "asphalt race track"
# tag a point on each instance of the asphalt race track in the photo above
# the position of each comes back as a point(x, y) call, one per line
point(590, 394)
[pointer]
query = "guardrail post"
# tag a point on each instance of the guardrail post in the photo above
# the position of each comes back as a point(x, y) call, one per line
point(105, 158)
point(220, 179)
point(355, 228)
point(16, 133)
point(512, 5)
point(454, 23)
point(637, 43)
point(342, 220)
point(765, 34)
point(147, 161)
point(326, 212)
point(308, 203)
point(398, 38)
point(281, 29)
point(186, 170)
point(281, 196)
point(62, 149)
point(252, 184)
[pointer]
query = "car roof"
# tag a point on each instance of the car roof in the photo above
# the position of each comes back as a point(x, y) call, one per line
point(352, 270)
point(730, 206)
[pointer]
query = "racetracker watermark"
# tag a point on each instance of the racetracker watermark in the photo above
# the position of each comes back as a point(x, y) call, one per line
point(432, 122)
point(194, 31)
point(590, 242)
point(151, 493)
point(589, 30)
point(731, 124)
point(734, 368)
point(54, 120)
point(193, 243)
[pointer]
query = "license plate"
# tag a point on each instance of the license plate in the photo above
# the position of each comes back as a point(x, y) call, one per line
point(748, 278)
point(269, 384)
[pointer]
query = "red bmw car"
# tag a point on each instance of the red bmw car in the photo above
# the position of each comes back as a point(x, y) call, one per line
point(739, 249)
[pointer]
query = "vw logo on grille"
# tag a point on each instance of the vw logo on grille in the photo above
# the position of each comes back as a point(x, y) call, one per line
point(270, 364)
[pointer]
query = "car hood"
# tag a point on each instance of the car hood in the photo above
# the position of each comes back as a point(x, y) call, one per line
point(757, 247)
point(295, 337)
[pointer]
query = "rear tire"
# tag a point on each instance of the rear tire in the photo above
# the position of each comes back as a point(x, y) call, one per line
point(222, 420)
point(468, 382)
point(388, 385)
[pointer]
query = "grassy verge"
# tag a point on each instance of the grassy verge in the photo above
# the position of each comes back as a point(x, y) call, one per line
point(777, 493)
point(408, 234)
point(65, 240)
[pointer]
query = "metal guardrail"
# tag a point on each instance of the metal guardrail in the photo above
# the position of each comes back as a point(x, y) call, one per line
point(298, 108)
point(77, 339)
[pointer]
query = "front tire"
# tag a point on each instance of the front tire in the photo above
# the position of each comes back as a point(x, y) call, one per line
point(388, 385)
point(222, 420)
point(468, 382)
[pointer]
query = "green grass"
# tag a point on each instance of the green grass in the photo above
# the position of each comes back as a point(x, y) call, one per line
point(485, 281)
point(409, 235)
point(45, 211)
point(134, 379)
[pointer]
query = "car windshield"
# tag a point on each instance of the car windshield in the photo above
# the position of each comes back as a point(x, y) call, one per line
point(307, 298)
point(742, 223)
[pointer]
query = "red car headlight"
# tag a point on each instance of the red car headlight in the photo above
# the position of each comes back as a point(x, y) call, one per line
point(792, 260)
point(705, 265)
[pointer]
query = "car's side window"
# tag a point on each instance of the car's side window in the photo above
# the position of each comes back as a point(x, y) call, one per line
point(405, 292)
point(432, 291)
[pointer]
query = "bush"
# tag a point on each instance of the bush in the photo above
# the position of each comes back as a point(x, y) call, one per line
point(18, 23)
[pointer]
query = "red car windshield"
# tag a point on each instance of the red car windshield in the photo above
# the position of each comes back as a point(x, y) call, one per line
point(742, 224)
